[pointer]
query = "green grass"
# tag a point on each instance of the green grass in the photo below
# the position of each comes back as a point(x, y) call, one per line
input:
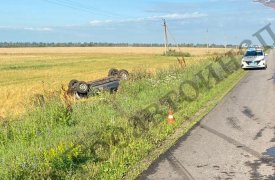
point(106, 136)
point(215, 95)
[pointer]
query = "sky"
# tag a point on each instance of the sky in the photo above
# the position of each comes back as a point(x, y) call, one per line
point(135, 21)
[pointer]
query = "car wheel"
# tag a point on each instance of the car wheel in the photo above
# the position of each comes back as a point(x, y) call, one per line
point(82, 87)
point(123, 74)
point(71, 86)
point(72, 83)
point(113, 72)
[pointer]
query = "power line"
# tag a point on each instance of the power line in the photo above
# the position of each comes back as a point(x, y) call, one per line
point(176, 43)
point(94, 8)
point(67, 5)
point(181, 60)
point(81, 7)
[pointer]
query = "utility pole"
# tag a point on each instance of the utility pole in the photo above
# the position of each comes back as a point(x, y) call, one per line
point(207, 40)
point(165, 37)
point(236, 41)
point(225, 44)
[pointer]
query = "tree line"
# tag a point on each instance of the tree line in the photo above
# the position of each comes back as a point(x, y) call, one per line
point(96, 44)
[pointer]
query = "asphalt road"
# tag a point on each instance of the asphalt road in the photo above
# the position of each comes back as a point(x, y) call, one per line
point(236, 140)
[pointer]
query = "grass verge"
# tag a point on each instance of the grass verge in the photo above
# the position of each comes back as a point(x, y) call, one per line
point(185, 127)
point(105, 137)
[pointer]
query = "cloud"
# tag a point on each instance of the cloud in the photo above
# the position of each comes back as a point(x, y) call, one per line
point(37, 29)
point(4, 27)
point(40, 29)
point(176, 16)
point(171, 17)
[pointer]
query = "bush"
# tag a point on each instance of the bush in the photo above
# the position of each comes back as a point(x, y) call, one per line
point(175, 53)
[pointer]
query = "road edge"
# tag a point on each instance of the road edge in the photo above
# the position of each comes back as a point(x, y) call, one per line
point(181, 132)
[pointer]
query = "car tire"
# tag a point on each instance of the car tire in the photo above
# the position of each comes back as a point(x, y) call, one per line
point(72, 83)
point(113, 72)
point(72, 86)
point(123, 74)
point(82, 87)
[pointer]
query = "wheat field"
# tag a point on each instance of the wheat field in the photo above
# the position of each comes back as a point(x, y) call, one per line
point(25, 72)
point(106, 50)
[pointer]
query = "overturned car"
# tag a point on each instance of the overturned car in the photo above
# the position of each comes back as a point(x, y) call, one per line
point(82, 89)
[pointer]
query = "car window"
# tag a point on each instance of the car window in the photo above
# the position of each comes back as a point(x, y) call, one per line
point(251, 53)
point(254, 53)
point(260, 53)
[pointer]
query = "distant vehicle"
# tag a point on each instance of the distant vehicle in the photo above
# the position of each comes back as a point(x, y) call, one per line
point(81, 89)
point(254, 58)
point(254, 46)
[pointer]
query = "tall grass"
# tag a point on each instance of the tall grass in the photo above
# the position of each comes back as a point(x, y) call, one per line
point(173, 52)
point(22, 76)
point(99, 138)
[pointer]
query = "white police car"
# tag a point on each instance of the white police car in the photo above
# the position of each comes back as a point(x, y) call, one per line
point(254, 58)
